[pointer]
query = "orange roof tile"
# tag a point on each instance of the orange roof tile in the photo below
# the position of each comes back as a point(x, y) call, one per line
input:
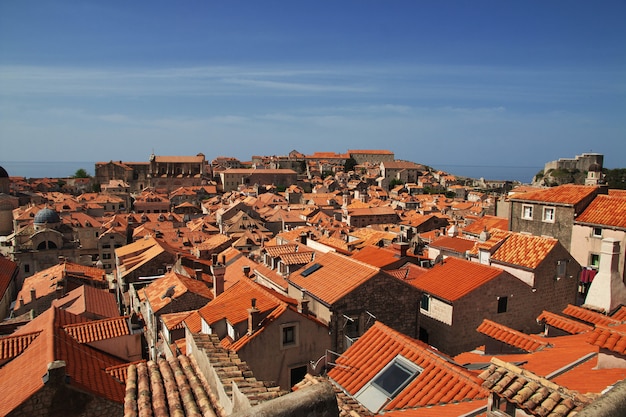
point(440, 381)
point(345, 273)
point(511, 337)
point(589, 316)
point(298, 258)
point(8, 269)
point(88, 300)
point(12, 346)
point(234, 302)
point(605, 210)
point(565, 324)
point(175, 320)
point(524, 250)
point(609, 338)
point(620, 314)
point(486, 223)
point(96, 330)
point(568, 194)
point(83, 364)
point(376, 256)
point(455, 244)
point(455, 278)
point(178, 285)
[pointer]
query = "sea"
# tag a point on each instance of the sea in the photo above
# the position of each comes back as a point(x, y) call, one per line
point(38, 169)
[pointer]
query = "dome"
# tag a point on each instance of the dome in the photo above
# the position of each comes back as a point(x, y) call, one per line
point(47, 215)
point(3, 173)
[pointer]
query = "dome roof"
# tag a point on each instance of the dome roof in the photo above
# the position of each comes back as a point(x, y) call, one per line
point(3, 173)
point(47, 215)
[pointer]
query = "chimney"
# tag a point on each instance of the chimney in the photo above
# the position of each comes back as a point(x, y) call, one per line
point(401, 248)
point(21, 301)
point(198, 274)
point(303, 238)
point(56, 373)
point(33, 295)
point(254, 317)
point(218, 270)
point(304, 307)
point(246, 270)
point(607, 291)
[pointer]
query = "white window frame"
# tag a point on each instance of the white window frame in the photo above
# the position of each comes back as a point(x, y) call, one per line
point(530, 208)
point(593, 232)
point(548, 218)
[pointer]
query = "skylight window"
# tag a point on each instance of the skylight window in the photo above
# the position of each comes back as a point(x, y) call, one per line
point(388, 383)
point(310, 270)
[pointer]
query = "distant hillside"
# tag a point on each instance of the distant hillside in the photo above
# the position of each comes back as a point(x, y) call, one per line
point(615, 178)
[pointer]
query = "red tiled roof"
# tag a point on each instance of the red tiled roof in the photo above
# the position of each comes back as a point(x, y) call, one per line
point(455, 244)
point(297, 258)
point(455, 278)
point(565, 324)
point(7, 270)
point(88, 300)
point(568, 194)
point(233, 303)
point(605, 210)
point(524, 250)
point(589, 316)
point(439, 382)
point(511, 337)
point(345, 273)
point(376, 256)
point(179, 285)
point(12, 346)
point(83, 364)
point(175, 320)
point(96, 330)
point(620, 314)
point(487, 223)
point(609, 338)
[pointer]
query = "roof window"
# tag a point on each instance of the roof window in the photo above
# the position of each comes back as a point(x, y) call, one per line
point(310, 270)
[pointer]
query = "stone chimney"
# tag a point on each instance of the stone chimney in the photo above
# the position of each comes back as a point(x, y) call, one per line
point(303, 238)
point(607, 291)
point(246, 270)
point(304, 306)
point(198, 274)
point(401, 248)
point(56, 373)
point(218, 270)
point(33, 295)
point(254, 317)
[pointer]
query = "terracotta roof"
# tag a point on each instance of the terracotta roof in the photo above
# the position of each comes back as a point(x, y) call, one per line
point(96, 330)
point(176, 284)
point(440, 381)
point(511, 337)
point(589, 316)
point(565, 324)
point(138, 253)
point(524, 250)
point(12, 346)
point(83, 364)
point(7, 270)
point(465, 408)
point(297, 258)
point(605, 210)
point(486, 223)
point(534, 394)
point(376, 256)
point(620, 314)
point(455, 244)
point(455, 278)
point(496, 237)
point(89, 301)
point(278, 250)
point(568, 194)
point(610, 338)
point(234, 302)
point(345, 273)
point(246, 338)
point(348, 406)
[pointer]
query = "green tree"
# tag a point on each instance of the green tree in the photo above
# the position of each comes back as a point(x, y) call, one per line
point(81, 173)
point(349, 165)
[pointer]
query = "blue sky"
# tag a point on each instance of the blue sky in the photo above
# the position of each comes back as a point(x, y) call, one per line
point(486, 83)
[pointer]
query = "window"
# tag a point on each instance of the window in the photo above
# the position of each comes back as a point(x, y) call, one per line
point(297, 374)
point(561, 269)
point(106, 256)
point(548, 214)
point(425, 303)
point(594, 261)
point(502, 303)
point(310, 270)
point(26, 268)
point(527, 212)
point(597, 232)
point(388, 383)
point(289, 335)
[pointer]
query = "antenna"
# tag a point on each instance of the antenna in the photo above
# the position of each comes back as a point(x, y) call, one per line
point(371, 316)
